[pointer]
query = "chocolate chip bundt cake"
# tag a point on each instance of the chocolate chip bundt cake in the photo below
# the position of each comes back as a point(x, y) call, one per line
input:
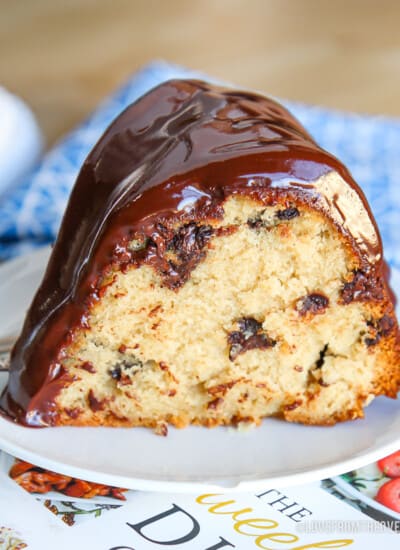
point(214, 266)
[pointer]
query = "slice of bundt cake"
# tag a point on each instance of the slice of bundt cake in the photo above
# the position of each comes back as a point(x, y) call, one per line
point(214, 265)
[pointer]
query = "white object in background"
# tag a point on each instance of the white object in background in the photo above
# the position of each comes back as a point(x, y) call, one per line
point(21, 141)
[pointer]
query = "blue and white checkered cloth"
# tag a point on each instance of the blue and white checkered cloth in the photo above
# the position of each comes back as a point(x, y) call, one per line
point(368, 146)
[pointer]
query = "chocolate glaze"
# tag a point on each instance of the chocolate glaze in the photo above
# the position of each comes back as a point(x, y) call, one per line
point(173, 156)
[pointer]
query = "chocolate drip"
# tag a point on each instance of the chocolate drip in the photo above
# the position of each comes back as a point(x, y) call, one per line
point(171, 158)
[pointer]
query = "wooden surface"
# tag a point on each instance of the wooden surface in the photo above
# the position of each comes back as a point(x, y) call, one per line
point(63, 57)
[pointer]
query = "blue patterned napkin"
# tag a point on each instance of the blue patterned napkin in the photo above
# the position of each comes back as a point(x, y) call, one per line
point(369, 146)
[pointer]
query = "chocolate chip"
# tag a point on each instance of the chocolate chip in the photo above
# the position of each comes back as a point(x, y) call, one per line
point(287, 214)
point(372, 341)
point(249, 326)
point(189, 240)
point(130, 363)
point(175, 253)
point(379, 328)
point(235, 349)
point(385, 325)
point(262, 219)
point(256, 222)
point(321, 359)
point(115, 373)
point(94, 403)
point(126, 364)
point(315, 303)
point(362, 287)
point(249, 336)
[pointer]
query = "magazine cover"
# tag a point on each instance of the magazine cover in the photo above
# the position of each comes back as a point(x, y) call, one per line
point(41, 509)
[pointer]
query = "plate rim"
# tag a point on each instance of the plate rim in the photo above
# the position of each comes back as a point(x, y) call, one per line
point(227, 484)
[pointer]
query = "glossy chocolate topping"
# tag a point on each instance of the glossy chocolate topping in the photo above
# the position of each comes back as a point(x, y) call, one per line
point(175, 154)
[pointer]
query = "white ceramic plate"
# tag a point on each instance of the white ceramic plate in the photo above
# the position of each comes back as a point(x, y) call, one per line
point(195, 459)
